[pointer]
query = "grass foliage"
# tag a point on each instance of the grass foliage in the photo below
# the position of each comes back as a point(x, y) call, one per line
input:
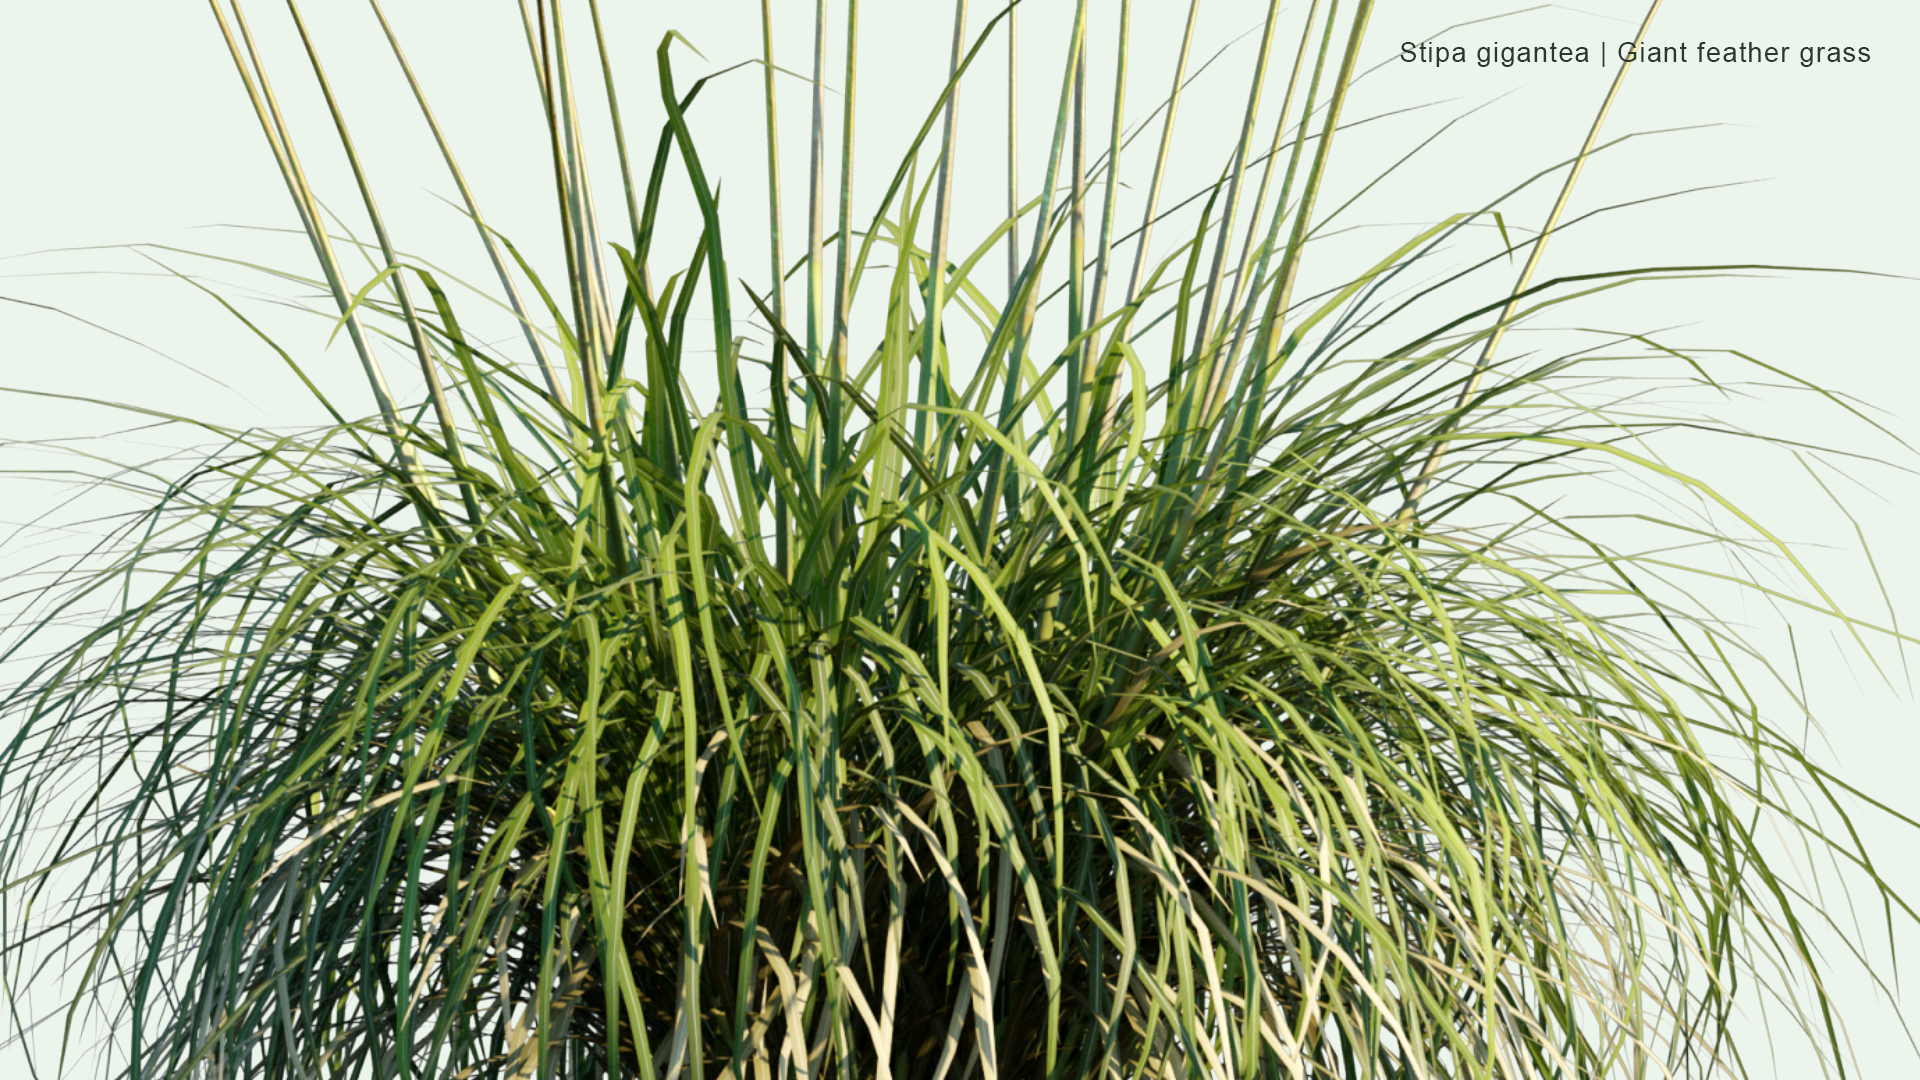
point(1187, 683)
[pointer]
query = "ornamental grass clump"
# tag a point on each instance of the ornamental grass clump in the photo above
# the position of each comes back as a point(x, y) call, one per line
point(1183, 682)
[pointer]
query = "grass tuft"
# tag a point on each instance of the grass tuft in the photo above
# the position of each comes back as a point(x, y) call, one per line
point(1189, 674)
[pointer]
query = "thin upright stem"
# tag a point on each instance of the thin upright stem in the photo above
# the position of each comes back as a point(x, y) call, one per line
point(1472, 387)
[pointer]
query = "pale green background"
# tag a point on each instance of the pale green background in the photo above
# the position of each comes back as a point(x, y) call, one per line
point(124, 121)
